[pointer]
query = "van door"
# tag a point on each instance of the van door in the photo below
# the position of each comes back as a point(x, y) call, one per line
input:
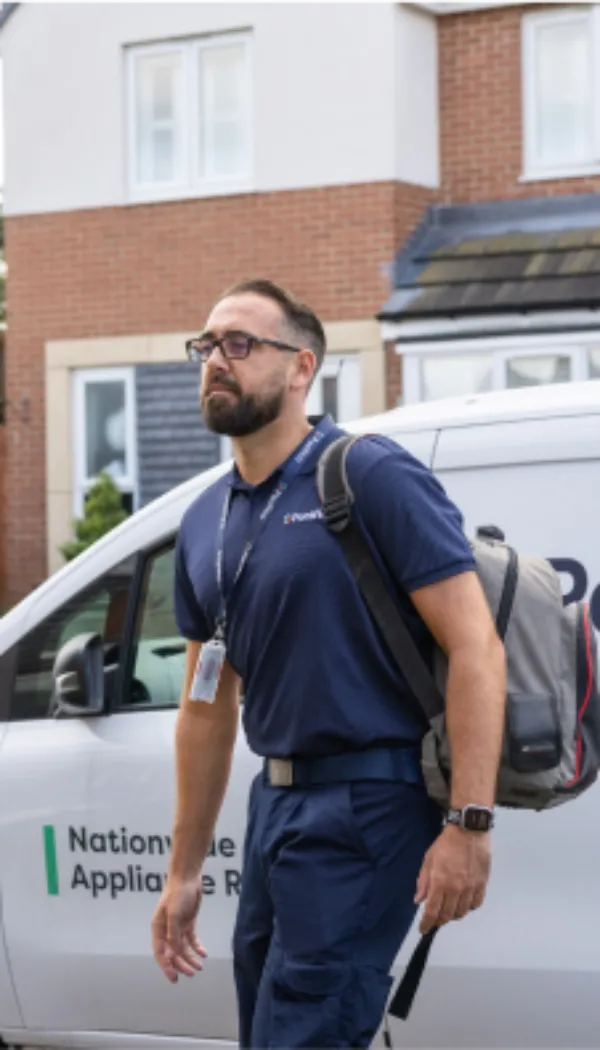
point(536, 479)
point(121, 855)
point(530, 958)
point(45, 768)
point(10, 1014)
point(89, 834)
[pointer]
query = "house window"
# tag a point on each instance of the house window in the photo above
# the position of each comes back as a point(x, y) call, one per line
point(594, 363)
point(561, 71)
point(537, 370)
point(336, 390)
point(456, 375)
point(466, 369)
point(190, 116)
point(104, 432)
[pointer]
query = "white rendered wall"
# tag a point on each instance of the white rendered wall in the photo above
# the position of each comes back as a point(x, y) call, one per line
point(417, 97)
point(330, 104)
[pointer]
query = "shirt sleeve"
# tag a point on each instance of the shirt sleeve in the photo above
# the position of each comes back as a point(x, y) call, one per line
point(191, 621)
point(407, 514)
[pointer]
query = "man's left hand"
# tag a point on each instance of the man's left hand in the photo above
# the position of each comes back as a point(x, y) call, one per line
point(454, 876)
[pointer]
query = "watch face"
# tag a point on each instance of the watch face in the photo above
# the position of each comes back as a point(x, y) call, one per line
point(477, 819)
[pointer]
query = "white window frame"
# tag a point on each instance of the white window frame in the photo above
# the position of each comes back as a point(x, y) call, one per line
point(531, 23)
point(333, 367)
point(81, 379)
point(574, 344)
point(193, 183)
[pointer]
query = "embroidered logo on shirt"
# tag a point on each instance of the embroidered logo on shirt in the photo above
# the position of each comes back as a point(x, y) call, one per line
point(309, 515)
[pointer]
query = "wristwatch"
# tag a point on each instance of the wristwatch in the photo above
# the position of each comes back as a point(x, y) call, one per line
point(472, 818)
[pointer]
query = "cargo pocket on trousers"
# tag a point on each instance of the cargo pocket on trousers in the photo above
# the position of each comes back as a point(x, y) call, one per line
point(308, 1004)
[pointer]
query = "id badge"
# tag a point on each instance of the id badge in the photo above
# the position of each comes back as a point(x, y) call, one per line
point(208, 671)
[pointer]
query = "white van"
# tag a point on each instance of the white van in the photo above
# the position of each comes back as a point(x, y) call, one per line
point(86, 802)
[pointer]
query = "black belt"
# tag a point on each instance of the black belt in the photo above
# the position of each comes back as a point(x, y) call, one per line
point(403, 764)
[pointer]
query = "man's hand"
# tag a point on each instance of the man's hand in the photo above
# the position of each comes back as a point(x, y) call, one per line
point(454, 876)
point(175, 944)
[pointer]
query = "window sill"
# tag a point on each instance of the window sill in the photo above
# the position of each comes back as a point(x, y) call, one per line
point(155, 195)
point(556, 174)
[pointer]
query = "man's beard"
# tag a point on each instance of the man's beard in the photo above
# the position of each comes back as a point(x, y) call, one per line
point(244, 415)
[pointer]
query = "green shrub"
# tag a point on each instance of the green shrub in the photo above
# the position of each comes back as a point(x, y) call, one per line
point(103, 510)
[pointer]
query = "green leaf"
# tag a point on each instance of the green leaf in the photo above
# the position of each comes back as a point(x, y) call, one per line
point(102, 512)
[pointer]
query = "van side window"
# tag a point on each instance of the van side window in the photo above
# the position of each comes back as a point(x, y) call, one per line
point(158, 648)
point(100, 609)
point(8, 662)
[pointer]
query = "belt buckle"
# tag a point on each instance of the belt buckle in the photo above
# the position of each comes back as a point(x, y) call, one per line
point(281, 772)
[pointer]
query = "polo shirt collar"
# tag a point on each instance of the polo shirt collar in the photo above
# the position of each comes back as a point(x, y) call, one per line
point(327, 427)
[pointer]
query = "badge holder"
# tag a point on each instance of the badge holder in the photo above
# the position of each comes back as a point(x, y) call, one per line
point(208, 670)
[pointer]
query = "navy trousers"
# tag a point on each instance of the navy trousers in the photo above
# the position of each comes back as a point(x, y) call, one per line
point(327, 898)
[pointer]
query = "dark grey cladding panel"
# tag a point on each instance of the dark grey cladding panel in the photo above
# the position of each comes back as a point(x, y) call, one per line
point(172, 441)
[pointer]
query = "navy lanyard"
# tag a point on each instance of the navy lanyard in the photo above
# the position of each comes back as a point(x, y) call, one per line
point(290, 471)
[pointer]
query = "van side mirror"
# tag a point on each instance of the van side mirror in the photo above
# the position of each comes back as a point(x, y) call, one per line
point(78, 677)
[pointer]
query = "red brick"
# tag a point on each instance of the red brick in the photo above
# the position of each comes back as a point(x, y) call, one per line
point(481, 110)
point(158, 268)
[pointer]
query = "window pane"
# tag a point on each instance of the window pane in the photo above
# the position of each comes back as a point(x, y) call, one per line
point(163, 146)
point(105, 429)
point(563, 86)
point(536, 371)
point(594, 363)
point(229, 148)
point(158, 117)
point(223, 108)
point(101, 610)
point(456, 376)
point(160, 650)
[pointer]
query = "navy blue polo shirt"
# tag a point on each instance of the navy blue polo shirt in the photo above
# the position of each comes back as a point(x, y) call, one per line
point(317, 676)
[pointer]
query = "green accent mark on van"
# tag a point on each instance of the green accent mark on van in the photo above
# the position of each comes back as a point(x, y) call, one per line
point(51, 863)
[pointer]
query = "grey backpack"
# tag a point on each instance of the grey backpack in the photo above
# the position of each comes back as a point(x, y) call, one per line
point(551, 750)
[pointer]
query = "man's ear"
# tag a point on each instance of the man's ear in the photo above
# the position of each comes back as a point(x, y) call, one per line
point(305, 368)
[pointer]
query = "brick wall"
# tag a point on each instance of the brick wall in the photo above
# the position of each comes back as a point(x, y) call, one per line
point(481, 110)
point(158, 268)
point(2, 518)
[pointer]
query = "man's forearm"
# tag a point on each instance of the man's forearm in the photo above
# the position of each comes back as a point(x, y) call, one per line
point(204, 749)
point(475, 711)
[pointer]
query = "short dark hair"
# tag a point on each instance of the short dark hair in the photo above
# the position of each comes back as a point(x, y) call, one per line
point(303, 323)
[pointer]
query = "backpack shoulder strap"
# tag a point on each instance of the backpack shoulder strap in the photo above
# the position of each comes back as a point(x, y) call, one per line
point(337, 499)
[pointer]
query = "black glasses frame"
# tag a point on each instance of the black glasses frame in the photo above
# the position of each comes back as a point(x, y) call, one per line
point(192, 347)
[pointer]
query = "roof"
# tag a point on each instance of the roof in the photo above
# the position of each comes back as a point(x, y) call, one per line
point(517, 256)
point(6, 10)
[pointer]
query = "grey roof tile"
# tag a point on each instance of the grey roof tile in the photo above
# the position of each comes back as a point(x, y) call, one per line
point(508, 255)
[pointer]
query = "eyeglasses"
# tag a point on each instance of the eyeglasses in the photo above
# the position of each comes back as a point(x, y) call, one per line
point(234, 346)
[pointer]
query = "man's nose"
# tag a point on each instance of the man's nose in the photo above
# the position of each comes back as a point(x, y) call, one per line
point(217, 360)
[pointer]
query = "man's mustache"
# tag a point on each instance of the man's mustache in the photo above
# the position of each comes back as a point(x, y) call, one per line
point(224, 382)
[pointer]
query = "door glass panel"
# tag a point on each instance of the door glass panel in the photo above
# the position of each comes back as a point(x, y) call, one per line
point(330, 396)
point(537, 371)
point(100, 609)
point(456, 376)
point(159, 664)
point(105, 429)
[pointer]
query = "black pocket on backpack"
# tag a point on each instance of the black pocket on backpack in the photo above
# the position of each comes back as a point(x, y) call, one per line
point(533, 729)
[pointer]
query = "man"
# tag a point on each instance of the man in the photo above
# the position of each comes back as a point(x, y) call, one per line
point(337, 862)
